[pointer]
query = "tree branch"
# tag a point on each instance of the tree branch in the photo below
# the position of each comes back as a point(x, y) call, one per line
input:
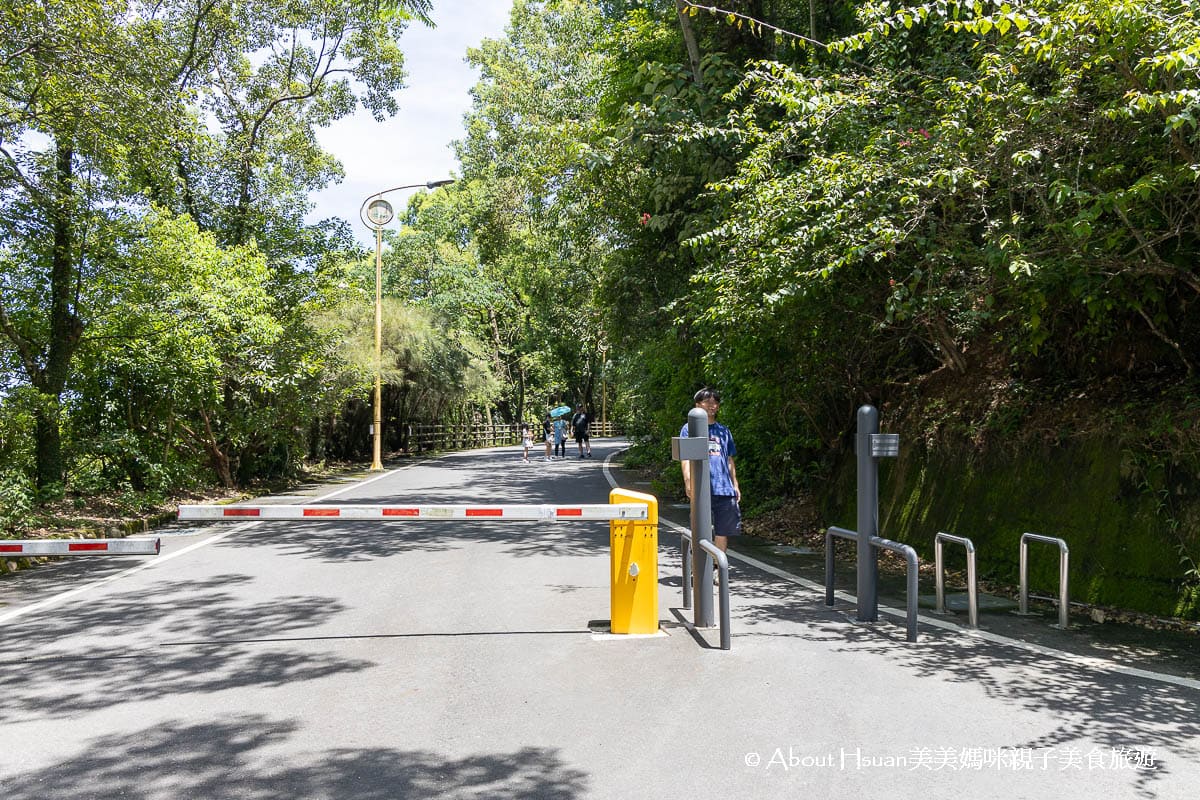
point(689, 40)
point(1162, 336)
point(1156, 265)
point(25, 348)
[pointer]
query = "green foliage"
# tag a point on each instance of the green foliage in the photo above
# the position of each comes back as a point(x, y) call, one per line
point(205, 371)
point(17, 498)
point(17, 491)
point(267, 74)
point(540, 245)
point(961, 183)
point(208, 111)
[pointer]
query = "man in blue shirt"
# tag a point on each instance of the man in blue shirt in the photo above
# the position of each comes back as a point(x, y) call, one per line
point(726, 496)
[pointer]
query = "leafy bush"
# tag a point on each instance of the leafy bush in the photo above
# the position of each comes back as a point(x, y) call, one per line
point(17, 496)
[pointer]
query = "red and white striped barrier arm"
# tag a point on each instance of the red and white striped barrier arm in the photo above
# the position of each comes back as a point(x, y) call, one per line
point(552, 513)
point(79, 547)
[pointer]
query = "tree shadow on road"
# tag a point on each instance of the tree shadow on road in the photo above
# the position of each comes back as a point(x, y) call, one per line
point(222, 760)
point(1086, 701)
point(499, 477)
point(136, 665)
point(352, 541)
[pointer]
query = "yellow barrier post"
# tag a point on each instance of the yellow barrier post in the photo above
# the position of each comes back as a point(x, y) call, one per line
point(634, 566)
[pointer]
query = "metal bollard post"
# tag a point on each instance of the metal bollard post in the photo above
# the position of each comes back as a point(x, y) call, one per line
point(702, 563)
point(693, 448)
point(868, 515)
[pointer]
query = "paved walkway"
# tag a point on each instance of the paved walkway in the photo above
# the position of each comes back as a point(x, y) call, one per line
point(346, 660)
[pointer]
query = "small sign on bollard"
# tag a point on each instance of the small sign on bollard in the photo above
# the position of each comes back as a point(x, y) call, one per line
point(885, 445)
point(688, 448)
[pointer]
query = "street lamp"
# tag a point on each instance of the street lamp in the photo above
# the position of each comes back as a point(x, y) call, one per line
point(603, 388)
point(375, 212)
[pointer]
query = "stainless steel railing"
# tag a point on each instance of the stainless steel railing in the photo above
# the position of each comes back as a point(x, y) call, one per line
point(910, 558)
point(1063, 564)
point(972, 590)
point(722, 562)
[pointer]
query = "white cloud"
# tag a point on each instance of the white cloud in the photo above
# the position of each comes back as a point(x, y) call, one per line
point(414, 145)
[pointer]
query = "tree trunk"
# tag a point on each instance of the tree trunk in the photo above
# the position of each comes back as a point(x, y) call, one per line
point(689, 41)
point(218, 459)
point(49, 466)
point(66, 329)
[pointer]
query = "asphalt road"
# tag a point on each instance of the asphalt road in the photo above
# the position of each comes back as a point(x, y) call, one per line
point(456, 659)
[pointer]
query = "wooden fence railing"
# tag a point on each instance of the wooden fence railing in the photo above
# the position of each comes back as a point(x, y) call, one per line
point(422, 437)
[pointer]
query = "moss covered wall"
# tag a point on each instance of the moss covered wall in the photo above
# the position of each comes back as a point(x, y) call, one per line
point(1126, 526)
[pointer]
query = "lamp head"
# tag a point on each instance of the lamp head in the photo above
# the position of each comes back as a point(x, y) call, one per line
point(436, 184)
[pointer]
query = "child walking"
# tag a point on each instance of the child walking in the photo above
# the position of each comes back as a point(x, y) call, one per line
point(526, 440)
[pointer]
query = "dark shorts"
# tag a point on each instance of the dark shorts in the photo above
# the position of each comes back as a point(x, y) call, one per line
point(580, 436)
point(726, 515)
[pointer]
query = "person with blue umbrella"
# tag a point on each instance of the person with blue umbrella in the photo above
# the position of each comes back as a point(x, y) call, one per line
point(560, 435)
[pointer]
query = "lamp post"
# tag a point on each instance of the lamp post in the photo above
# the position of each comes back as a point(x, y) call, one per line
point(375, 212)
point(603, 389)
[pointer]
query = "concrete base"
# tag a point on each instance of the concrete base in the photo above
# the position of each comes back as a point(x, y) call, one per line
point(602, 629)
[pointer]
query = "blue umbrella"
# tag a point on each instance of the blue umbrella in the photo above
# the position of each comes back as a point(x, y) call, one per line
point(560, 411)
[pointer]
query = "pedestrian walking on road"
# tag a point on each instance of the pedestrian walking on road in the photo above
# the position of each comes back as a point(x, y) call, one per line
point(526, 440)
point(723, 482)
point(547, 434)
point(579, 423)
point(560, 437)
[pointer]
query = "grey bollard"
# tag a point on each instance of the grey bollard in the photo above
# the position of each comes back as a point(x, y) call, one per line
point(701, 523)
point(868, 515)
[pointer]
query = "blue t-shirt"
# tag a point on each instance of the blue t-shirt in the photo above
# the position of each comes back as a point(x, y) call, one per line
point(560, 430)
point(720, 449)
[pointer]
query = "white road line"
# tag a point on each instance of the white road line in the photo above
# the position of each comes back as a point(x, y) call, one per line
point(608, 476)
point(62, 597)
point(360, 484)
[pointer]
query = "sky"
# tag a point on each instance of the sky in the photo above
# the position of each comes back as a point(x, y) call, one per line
point(414, 145)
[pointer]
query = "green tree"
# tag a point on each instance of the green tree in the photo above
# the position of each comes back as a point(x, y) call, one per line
point(265, 75)
point(539, 249)
point(209, 109)
point(80, 99)
point(431, 369)
point(195, 361)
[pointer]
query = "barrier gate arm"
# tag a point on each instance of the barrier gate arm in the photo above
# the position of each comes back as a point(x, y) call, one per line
point(633, 538)
point(547, 513)
point(22, 548)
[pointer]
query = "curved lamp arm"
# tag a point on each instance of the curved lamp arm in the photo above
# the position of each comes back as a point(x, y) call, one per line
point(428, 185)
